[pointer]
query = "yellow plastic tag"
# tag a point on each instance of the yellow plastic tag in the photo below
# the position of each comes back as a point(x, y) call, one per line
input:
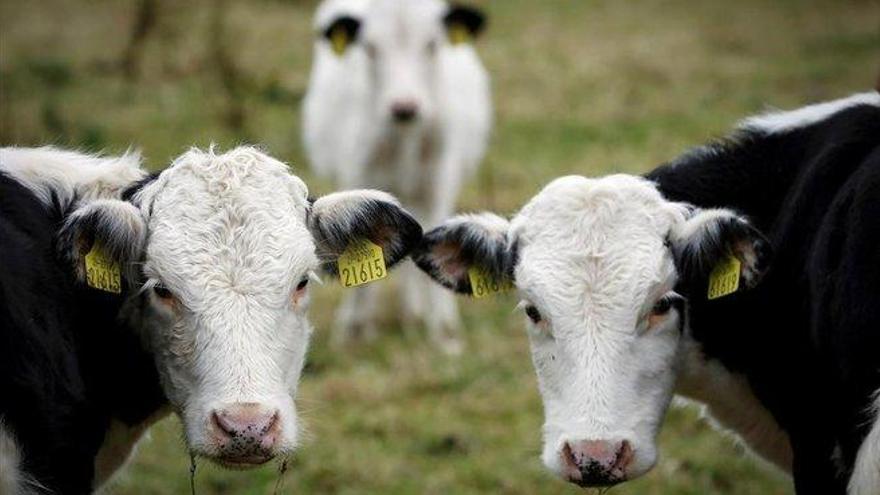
point(483, 285)
point(360, 263)
point(724, 278)
point(101, 272)
point(339, 40)
point(458, 34)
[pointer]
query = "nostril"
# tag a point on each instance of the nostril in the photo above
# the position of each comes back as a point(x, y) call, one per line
point(222, 422)
point(404, 112)
point(624, 457)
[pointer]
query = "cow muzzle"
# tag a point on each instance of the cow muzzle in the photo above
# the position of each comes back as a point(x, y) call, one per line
point(596, 462)
point(245, 434)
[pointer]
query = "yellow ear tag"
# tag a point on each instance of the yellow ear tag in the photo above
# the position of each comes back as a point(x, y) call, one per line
point(724, 279)
point(458, 34)
point(482, 284)
point(338, 40)
point(102, 272)
point(360, 263)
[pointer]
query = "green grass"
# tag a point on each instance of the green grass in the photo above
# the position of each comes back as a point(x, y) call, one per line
point(580, 86)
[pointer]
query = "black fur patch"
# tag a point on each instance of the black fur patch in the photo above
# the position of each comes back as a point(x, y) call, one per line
point(466, 245)
point(67, 365)
point(129, 192)
point(383, 223)
point(472, 18)
point(806, 337)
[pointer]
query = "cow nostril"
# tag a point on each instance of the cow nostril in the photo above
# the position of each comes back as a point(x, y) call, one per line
point(404, 112)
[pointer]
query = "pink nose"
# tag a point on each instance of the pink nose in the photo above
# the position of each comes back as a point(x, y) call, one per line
point(404, 110)
point(596, 462)
point(246, 432)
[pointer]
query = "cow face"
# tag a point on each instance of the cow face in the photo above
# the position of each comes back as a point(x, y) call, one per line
point(401, 42)
point(220, 250)
point(604, 268)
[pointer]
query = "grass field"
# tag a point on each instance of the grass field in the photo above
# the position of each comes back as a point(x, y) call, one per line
point(580, 86)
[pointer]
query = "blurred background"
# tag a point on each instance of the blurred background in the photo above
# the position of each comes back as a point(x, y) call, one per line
point(579, 86)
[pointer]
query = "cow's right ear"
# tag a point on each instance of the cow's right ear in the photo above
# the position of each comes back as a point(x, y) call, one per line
point(117, 228)
point(342, 33)
point(448, 252)
point(339, 219)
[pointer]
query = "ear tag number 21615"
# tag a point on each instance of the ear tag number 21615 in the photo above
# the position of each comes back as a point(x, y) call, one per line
point(360, 263)
point(482, 284)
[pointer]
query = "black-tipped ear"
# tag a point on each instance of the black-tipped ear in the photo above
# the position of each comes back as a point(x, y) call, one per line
point(341, 33)
point(339, 219)
point(116, 226)
point(708, 239)
point(448, 252)
point(463, 23)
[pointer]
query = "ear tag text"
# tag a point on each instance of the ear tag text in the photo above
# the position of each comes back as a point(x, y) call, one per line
point(339, 40)
point(360, 263)
point(458, 34)
point(101, 272)
point(724, 279)
point(482, 284)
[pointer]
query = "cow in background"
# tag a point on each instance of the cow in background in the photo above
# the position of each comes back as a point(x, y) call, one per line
point(744, 274)
point(398, 100)
point(124, 296)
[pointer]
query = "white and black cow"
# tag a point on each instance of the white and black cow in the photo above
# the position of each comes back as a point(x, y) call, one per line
point(214, 256)
point(398, 100)
point(614, 275)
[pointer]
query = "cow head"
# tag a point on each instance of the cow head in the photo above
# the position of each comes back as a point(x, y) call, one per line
point(218, 251)
point(604, 268)
point(401, 42)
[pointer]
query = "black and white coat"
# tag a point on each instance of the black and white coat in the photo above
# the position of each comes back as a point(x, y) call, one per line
point(215, 254)
point(614, 272)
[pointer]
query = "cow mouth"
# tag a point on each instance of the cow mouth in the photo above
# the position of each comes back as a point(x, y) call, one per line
point(243, 462)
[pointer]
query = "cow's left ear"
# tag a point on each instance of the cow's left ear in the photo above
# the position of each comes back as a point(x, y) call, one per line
point(339, 219)
point(463, 23)
point(111, 229)
point(704, 244)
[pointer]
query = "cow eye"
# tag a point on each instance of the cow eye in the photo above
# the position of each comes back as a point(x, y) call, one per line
point(533, 314)
point(302, 284)
point(662, 306)
point(162, 292)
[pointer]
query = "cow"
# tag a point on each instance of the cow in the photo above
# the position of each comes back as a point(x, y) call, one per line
point(398, 100)
point(128, 295)
point(744, 274)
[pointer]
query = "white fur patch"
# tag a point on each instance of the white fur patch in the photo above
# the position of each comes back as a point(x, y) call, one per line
point(69, 175)
point(731, 404)
point(865, 479)
point(782, 121)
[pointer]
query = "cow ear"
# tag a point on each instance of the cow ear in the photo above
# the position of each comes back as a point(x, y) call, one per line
point(463, 23)
point(337, 220)
point(115, 228)
point(449, 252)
point(342, 33)
point(705, 242)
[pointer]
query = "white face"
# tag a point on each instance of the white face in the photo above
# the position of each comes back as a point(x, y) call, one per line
point(227, 260)
point(402, 39)
point(597, 263)
point(596, 278)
